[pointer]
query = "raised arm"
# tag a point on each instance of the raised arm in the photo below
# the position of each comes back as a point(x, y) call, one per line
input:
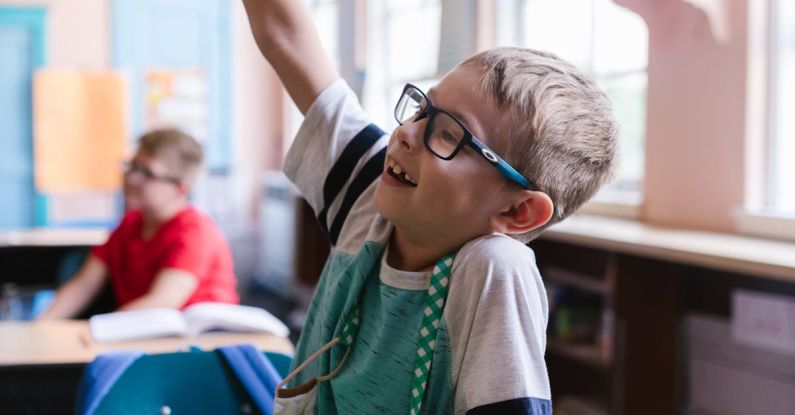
point(286, 36)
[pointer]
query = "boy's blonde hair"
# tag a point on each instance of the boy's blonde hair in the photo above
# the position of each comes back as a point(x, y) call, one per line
point(563, 136)
point(177, 149)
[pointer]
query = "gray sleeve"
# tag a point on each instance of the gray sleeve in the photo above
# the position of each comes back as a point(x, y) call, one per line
point(496, 315)
point(334, 161)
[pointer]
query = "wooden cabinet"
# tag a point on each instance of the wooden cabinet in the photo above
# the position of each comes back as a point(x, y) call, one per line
point(647, 286)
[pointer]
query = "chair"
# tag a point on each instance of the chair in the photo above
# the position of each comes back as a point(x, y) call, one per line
point(229, 380)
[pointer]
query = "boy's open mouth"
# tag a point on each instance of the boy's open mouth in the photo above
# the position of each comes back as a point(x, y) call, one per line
point(396, 171)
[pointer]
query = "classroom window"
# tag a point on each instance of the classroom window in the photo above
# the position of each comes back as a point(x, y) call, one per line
point(325, 13)
point(326, 16)
point(781, 195)
point(403, 46)
point(587, 39)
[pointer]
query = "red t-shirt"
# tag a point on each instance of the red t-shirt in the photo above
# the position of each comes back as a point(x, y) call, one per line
point(190, 241)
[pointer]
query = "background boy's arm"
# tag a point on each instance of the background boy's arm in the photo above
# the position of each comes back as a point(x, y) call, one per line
point(78, 292)
point(286, 36)
point(171, 288)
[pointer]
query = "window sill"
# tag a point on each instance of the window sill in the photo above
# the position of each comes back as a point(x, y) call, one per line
point(623, 206)
point(765, 224)
point(734, 253)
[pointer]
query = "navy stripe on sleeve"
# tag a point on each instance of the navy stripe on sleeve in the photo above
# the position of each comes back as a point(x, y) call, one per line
point(524, 406)
point(343, 168)
point(368, 174)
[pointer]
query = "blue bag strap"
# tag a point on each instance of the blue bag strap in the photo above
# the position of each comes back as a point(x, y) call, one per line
point(99, 376)
point(257, 375)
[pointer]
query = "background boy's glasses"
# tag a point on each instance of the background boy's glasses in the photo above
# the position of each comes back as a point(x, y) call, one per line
point(136, 170)
point(445, 135)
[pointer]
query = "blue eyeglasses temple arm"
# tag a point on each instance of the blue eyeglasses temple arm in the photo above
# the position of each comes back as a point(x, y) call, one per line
point(511, 174)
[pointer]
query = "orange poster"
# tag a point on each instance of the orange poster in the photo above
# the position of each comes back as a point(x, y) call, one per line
point(79, 130)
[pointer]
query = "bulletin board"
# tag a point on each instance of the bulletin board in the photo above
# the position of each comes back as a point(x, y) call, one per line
point(79, 130)
point(177, 97)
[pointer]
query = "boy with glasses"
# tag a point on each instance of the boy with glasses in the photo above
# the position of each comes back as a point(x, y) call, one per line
point(164, 253)
point(430, 301)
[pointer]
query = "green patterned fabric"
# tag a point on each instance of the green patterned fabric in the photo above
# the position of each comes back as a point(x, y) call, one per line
point(349, 329)
point(434, 305)
point(380, 326)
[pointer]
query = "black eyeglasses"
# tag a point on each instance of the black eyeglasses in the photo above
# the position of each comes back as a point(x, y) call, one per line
point(131, 168)
point(445, 135)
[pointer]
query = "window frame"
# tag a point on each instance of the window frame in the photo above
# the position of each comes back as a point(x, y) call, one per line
point(759, 217)
point(775, 113)
point(613, 202)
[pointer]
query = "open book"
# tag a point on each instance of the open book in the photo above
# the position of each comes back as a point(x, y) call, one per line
point(190, 322)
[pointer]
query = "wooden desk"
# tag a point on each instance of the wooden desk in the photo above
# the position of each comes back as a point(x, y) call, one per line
point(61, 342)
point(39, 257)
point(53, 237)
point(41, 363)
point(35, 259)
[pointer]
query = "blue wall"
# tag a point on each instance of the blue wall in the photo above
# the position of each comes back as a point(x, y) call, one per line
point(22, 49)
point(164, 34)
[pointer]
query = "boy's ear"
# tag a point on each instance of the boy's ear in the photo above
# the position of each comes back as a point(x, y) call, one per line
point(528, 211)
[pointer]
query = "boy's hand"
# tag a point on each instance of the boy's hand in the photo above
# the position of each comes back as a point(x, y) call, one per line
point(285, 34)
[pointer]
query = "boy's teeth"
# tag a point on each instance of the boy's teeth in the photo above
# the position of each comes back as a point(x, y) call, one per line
point(398, 171)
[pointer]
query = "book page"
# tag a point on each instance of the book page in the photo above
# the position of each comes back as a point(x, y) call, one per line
point(137, 324)
point(202, 317)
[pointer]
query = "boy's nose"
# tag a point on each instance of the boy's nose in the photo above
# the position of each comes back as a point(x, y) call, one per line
point(409, 135)
point(132, 179)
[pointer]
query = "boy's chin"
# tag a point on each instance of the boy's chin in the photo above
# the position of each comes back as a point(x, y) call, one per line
point(385, 207)
point(132, 204)
point(380, 205)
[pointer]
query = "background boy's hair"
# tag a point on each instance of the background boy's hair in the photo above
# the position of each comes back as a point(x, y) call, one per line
point(563, 135)
point(179, 151)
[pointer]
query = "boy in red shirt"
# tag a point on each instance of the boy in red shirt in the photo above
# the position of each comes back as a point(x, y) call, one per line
point(165, 253)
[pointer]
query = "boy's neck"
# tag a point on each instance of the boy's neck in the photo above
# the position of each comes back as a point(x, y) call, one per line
point(407, 256)
point(154, 219)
